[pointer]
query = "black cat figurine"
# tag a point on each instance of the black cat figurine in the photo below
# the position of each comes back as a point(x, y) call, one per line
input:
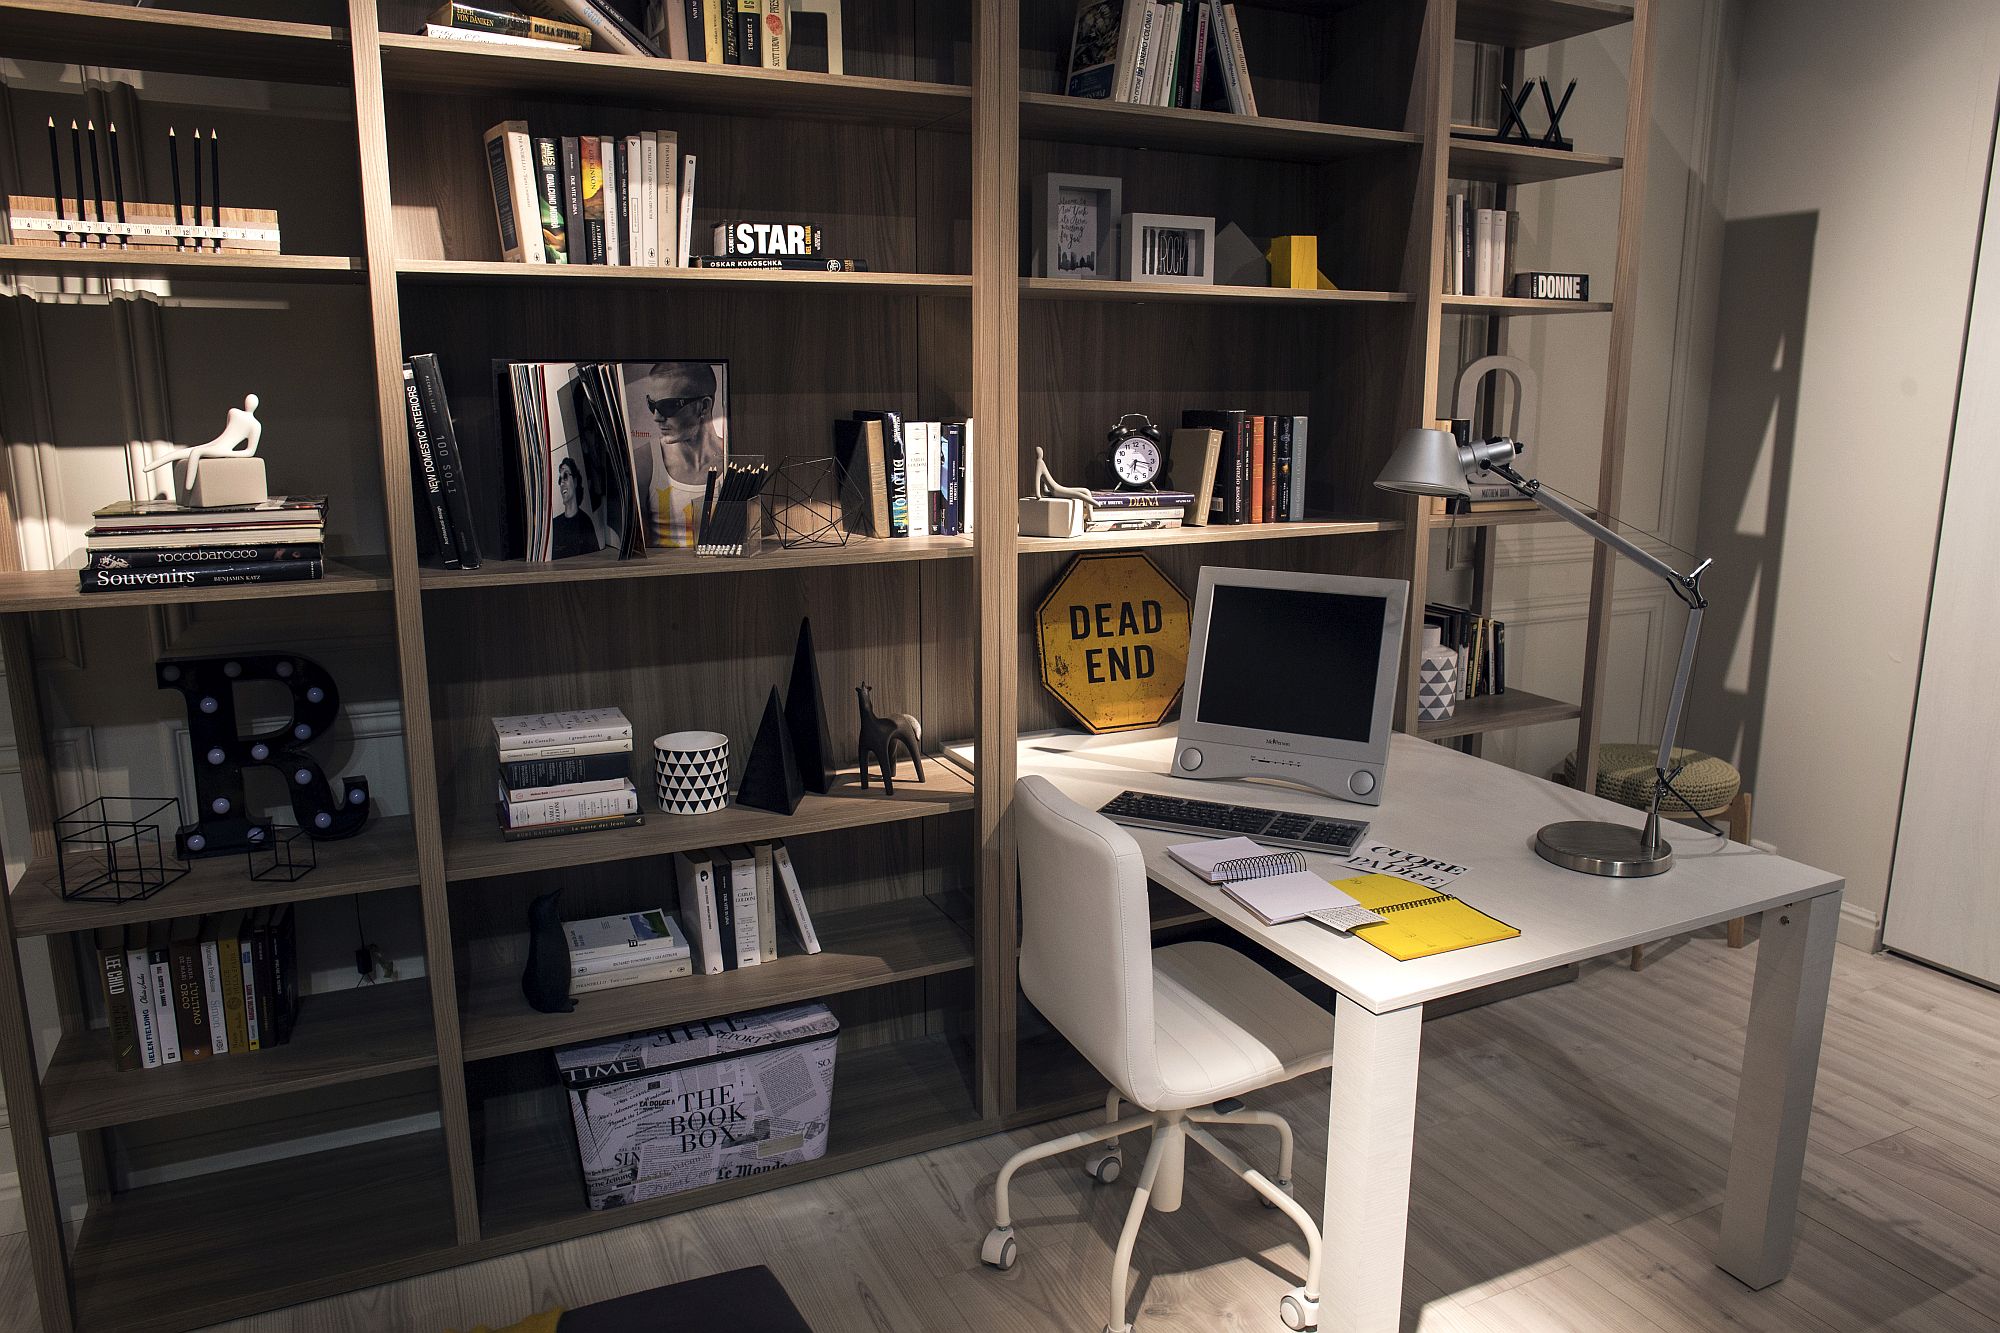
point(545, 981)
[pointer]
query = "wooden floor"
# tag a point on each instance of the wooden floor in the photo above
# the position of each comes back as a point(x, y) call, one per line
point(1570, 1160)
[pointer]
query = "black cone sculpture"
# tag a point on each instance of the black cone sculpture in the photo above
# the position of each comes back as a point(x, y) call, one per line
point(771, 778)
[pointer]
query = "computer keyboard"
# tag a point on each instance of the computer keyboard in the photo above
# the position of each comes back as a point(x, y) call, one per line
point(1280, 828)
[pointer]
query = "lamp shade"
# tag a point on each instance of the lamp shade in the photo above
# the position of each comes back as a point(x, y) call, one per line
point(1425, 463)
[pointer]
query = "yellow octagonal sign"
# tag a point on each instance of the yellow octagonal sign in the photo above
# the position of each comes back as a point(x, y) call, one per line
point(1113, 639)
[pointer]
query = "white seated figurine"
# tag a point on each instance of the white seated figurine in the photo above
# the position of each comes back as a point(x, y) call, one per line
point(234, 475)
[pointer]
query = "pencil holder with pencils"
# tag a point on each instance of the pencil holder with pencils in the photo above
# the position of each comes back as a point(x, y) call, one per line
point(736, 515)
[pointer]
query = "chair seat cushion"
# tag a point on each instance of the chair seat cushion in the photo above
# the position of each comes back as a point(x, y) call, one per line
point(1625, 774)
point(1226, 1026)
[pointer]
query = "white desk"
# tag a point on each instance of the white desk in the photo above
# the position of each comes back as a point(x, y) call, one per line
point(1445, 804)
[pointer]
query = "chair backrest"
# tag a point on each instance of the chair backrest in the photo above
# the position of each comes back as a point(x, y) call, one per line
point(1086, 935)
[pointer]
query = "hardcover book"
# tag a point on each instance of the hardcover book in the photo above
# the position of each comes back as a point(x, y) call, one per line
point(524, 730)
point(116, 981)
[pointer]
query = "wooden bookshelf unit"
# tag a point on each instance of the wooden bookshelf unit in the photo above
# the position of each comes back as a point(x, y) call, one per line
point(920, 161)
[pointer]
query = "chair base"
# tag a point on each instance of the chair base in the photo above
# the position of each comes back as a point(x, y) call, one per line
point(1159, 1188)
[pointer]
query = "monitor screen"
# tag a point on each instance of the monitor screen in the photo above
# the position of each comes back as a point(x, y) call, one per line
point(1290, 661)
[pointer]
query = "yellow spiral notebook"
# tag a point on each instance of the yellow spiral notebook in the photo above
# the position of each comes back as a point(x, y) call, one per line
point(1419, 921)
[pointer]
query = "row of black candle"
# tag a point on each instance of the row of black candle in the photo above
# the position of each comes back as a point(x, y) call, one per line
point(93, 209)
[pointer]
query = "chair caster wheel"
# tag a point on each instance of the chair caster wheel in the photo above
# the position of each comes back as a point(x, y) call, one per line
point(1105, 1167)
point(1298, 1310)
point(1284, 1185)
point(999, 1251)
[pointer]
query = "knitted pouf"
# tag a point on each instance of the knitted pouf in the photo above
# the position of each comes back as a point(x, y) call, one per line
point(1625, 774)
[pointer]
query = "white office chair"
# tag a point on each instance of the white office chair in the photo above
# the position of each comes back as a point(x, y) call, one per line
point(1176, 1031)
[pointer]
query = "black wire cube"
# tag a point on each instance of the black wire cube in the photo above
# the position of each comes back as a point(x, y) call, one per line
point(810, 501)
point(110, 851)
point(281, 853)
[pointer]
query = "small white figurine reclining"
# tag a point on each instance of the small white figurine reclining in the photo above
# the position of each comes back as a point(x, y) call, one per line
point(234, 476)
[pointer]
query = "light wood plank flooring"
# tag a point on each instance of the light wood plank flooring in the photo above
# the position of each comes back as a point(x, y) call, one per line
point(1569, 1173)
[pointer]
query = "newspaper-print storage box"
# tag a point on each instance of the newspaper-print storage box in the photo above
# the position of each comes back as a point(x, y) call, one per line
point(670, 1110)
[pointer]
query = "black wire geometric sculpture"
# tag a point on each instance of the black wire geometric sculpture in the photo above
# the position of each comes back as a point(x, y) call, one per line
point(808, 499)
point(115, 845)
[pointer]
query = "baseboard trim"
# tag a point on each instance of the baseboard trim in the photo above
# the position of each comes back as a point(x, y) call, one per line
point(1860, 928)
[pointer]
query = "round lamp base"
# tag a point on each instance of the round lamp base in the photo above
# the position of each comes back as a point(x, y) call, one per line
point(1594, 848)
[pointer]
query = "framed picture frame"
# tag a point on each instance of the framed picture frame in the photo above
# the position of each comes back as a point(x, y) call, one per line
point(812, 36)
point(1170, 247)
point(1077, 217)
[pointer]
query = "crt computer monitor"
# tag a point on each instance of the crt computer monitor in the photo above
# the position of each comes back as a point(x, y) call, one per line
point(1292, 677)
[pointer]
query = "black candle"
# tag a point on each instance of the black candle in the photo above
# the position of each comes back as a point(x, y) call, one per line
point(96, 173)
point(215, 180)
point(174, 157)
point(76, 157)
point(55, 174)
point(197, 185)
point(117, 179)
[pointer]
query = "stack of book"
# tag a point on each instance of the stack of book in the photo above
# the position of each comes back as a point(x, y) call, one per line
point(758, 33)
point(185, 990)
point(1184, 53)
point(565, 773)
point(1478, 248)
point(728, 898)
point(625, 950)
point(779, 245)
point(1258, 474)
point(592, 198)
point(1481, 645)
point(164, 544)
point(444, 529)
point(1136, 511)
point(905, 478)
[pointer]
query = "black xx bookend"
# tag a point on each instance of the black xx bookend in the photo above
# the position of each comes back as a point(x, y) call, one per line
point(545, 980)
point(222, 822)
point(805, 716)
point(1514, 125)
point(771, 778)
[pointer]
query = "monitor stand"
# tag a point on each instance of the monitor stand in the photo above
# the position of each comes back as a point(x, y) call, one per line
point(1342, 779)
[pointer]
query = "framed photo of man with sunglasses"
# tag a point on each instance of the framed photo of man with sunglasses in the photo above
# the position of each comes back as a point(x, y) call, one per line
point(677, 414)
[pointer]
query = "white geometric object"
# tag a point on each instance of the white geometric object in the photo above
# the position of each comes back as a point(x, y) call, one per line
point(1437, 678)
point(232, 479)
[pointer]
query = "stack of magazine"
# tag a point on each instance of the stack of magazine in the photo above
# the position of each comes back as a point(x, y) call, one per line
point(565, 773)
point(625, 950)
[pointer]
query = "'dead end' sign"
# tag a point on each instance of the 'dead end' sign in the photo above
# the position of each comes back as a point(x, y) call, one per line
point(1113, 639)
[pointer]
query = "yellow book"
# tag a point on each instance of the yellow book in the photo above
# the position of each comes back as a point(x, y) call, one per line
point(1420, 921)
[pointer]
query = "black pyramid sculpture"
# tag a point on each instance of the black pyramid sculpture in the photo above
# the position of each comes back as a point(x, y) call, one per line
point(805, 716)
point(771, 778)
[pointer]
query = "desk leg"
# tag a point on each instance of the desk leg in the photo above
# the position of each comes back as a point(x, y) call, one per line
point(1774, 1099)
point(1370, 1130)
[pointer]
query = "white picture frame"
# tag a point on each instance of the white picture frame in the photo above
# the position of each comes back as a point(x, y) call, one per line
point(1169, 247)
point(1077, 226)
point(829, 10)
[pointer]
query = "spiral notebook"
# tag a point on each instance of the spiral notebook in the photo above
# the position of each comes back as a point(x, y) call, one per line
point(1274, 885)
point(1415, 921)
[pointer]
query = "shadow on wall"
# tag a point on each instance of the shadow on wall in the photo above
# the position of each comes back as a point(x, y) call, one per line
point(1746, 477)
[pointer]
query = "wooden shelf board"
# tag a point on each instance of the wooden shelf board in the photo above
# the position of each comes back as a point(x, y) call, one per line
point(888, 1101)
point(341, 1037)
point(424, 65)
point(1498, 712)
point(56, 590)
point(668, 564)
point(479, 852)
point(1521, 164)
point(382, 856)
point(118, 35)
point(1207, 533)
point(1051, 116)
point(501, 272)
point(1522, 23)
point(80, 262)
point(202, 1250)
point(862, 947)
point(1091, 289)
point(1519, 305)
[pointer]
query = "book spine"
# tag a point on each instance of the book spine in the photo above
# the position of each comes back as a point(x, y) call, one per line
point(697, 31)
point(549, 193)
point(211, 986)
point(246, 966)
point(896, 444)
point(185, 557)
point(520, 152)
point(917, 476)
point(574, 227)
point(229, 953)
point(500, 175)
point(429, 484)
point(285, 974)
point(138, 981)
point(684, 226)
point(612, 171)
point(118, 1004)
point(1198, 64)
point(266, 989)
point(190, 1000)
point(1467, 235)
point(767, 906)
point(532, 774)
point(732, 33)
point(1482, 255)
point(749, 34)
point(1135, 89)
point(1299, 425)
point(776, 34)
point(781, 857)
point(570, 809)
point(624, 960)
point(1270, 452)
point(1245, 452)
point(604, 981)
point(159, 970)
point(1257, 448)
point(743, 910)
point(525, 795)
point(1281, 511)
point(530, 832)
point(698, 911)
point(514, 745)
point(712, 28)
point(450, 461)
point(1239, 64)
point(590, 192)
point(725, 916)
point(204, 576)
point(512, 25)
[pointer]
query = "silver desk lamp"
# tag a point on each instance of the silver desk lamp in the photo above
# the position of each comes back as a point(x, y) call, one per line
point(1432, 462)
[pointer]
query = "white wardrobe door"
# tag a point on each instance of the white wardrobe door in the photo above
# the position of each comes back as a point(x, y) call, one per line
point(1944, 889)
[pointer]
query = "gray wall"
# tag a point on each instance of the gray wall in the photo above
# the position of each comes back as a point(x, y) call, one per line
point(1855, 179)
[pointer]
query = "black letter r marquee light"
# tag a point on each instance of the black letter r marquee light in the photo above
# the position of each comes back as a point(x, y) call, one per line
point(222, 822)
